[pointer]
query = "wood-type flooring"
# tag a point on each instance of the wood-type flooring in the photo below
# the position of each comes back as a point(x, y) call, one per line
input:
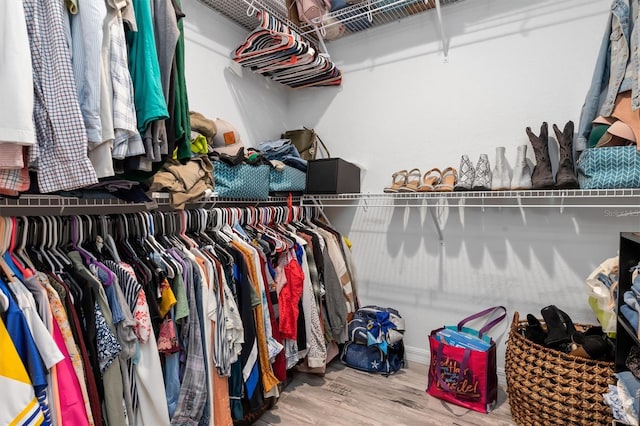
point(345, 396)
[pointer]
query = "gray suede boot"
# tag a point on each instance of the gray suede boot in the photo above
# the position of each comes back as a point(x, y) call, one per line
point(542, 176)
point(566, 175)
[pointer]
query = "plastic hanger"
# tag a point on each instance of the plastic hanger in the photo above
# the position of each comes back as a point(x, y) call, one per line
point(26, 273)
point(4, 231)
point(53, 247)
point(77, 237)
point(23, 227)
point(44, 237)
point(109, 242)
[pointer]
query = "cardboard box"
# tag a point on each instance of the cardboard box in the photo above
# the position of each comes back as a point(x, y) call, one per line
point(332, 176)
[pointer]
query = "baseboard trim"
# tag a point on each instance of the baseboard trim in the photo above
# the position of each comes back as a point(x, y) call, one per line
point(422, 356)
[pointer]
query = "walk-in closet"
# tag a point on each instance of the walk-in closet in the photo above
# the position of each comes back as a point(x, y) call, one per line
point(319, 212)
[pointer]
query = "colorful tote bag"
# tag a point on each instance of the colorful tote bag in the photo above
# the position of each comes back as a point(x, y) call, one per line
point(461, 375)
point(616, 167)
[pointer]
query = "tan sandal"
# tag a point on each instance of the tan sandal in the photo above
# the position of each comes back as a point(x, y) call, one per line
point(430, 180)
point(448, 181)
point(398, 180)
point(413, 181)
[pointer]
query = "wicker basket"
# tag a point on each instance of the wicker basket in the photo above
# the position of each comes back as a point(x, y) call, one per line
point(546, 386)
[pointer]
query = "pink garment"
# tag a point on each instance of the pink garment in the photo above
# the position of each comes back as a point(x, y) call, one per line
point(11, 156)
point(15, 180)
point(72, 410)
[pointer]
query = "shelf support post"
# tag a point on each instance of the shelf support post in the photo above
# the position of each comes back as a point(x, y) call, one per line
point(445, 42)
point(436, 222)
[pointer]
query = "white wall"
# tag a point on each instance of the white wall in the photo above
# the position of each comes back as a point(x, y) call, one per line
point(511, 64)
point(218, 87)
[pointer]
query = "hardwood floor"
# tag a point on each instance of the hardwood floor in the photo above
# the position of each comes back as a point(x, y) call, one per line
point(345, 396)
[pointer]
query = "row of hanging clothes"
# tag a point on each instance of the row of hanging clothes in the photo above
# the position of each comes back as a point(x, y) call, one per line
point(156, 318)
point(278, 52)
point(98, 84)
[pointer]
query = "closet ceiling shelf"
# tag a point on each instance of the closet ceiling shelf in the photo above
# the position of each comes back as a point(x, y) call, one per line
point(575, 198)
point(243, 12)
point(355, 18)
point(372, 13)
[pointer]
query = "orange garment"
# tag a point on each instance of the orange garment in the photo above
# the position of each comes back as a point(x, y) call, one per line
point(269, 380)
point(221, 403)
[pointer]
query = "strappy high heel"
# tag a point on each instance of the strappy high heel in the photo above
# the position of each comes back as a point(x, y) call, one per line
point(448, 181)
point(413, 181)
point(398, 180)
point(430, 179)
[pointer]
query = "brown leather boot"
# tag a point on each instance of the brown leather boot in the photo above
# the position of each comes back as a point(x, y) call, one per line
point(542, 176)
point(566, 175)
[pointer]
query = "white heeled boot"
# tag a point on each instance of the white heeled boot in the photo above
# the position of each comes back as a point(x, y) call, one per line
point(500, 179)
point(521, 171)
point(466, 175)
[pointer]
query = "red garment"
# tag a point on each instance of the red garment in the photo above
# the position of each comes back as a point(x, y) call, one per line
point(289, 298)
point(279, 364)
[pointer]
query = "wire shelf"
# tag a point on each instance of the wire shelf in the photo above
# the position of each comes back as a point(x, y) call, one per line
point(372, 13)
point(241, 12)
point(580, 198)
point(354, 18)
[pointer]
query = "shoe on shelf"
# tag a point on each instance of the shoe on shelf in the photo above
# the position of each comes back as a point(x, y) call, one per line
point(521, 172)
point(542, 176)
point(467, 174)
point(412, 182)
point(500, 179)
point(448, 181)
point(566, 175)
point(482, 179)
point(398, 180)
point(430, 179)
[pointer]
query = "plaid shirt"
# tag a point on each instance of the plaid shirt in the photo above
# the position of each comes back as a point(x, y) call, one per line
point(193, 390)
point(128, 142)
point(61, 153)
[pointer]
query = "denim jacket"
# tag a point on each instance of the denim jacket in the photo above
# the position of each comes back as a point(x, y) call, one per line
point(611, 65)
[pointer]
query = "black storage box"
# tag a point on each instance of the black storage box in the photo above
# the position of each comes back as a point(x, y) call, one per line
point(332, 176)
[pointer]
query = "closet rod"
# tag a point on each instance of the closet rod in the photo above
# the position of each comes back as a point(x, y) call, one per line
point(55, 205)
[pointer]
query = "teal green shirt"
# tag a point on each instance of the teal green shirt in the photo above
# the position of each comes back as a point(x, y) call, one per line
point(144, 68)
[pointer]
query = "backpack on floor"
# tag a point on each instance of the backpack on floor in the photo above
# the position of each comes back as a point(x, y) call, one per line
point(375, 341)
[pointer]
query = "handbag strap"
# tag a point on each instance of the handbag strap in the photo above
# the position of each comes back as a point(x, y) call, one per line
point(463, 366)
point(326, 150)
point(481, 314)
